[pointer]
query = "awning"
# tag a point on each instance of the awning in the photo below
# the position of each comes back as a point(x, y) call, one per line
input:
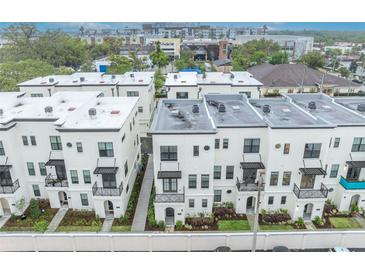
point(252, 165)
point(169, 174)
point(55, 162)
point(105, 170)
point(356, 164)
point(4, 167)
point(313, 171)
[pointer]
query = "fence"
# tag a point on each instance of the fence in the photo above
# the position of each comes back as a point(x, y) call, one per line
point(177, 241)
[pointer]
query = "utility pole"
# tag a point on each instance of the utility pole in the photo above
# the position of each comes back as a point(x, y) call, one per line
point(256, 221)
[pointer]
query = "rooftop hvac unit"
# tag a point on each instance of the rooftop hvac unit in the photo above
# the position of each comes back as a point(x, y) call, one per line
point(175, 76)
point(361, 107)
point(51, 80)
point(266, 109)
point(113, 76)
point(48, 109)
point(312, 105)
point(82, 79)
point(195, 109)
point(221, 108)
point(92, 112)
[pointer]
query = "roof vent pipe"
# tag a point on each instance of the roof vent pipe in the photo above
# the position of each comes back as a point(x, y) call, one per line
point(361, 107)
point(312, 105)
point(92, 112)
point(51, 80)
point(266, 109)
point(82, 79)
point(195, 109)
point(48, 109)
point(175, 76)
point(221, 108)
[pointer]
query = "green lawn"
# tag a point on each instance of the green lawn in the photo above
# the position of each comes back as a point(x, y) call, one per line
point(343, 222)
point(233, 225)
point(74, 228)
point(121, 228)
point(276, 227)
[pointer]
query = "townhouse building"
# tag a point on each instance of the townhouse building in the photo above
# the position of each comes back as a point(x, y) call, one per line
point(191, 85)
point(79, 150)
point(130, 84)
point(306, 148)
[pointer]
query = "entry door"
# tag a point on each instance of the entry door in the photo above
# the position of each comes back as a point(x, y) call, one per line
point(353, 173)
point(61, 172)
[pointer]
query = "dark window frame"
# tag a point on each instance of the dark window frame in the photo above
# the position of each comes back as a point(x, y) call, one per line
point(170, 154)
point(251, 145)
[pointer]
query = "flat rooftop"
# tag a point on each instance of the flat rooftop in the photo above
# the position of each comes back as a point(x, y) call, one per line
point(176, 116)
point(215, 78)
point(283, 114)
point(238, 112)
point(327, 109)
point(133, 78)
point(181, 79)
point(351, 103)
point(244, 78)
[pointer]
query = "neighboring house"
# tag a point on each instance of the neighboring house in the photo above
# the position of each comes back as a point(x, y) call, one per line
point(78, 150)
point(298, 78)
point(224, 65)
point(130, 84)
point(214, 150)
point(191, 85)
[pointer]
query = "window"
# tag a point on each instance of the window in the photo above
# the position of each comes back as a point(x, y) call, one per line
point(106, 149)
point(169, 184)
point(192, 181)
point(217, 172)
point(307, 181)
point(36, 191)
point(312, 150)
point(191, 203)
point(337, 142)
point(168, 153)
point(334, 170)
point(33, 140)
point(217, 196)
point(274, 178)
point(286, 148)
point(125, 168)
point(251, 146)
point(140, 109)
point(283, 200)
point(196, 150)
point(271, 200)
point(132, 93)
point(225, 143)
point(2, 150)
point(204, 181)
point(31, 170)
point(109, 180)
point(204, 203)
point(79, 147)
point(286, 178)
point(84, 199)
point(358, 144)
point(216, 144)
point(74, 176)
point(55, 142)
point(42, 169)
point(182, 95)
point(229, 172)
point(25, 140)
point(87, 176)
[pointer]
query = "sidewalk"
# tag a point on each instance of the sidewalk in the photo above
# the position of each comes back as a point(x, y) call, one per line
point(139, 221)
point(4, 219)
point(57, 219)
point(107, 225)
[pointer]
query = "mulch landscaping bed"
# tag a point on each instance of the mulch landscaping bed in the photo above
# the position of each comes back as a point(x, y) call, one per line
point(80, 220)
point(279, 218)
point(127, 219)
point(151, 224)
point(15, 223)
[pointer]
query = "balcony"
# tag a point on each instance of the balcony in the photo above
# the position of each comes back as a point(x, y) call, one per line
point(103, 191)
point(352, 185)
point(247, 186)
point(169, 198)
point(54, 181)
point(8, 187)
point(310, 193)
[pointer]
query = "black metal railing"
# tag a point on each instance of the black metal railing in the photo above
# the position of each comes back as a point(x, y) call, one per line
point(310, 193)
point(9, 189)
point(247, 186)
point(104, 191)
point(170, 197)
point(54, 181)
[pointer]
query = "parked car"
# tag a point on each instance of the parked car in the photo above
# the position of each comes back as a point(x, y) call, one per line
point(280, 248)
point(339, 249)
point(223, 249)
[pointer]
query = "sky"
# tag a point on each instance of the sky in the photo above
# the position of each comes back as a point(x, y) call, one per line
point(340, 26)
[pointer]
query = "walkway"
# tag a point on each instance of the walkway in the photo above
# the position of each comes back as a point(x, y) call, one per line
point(107, 225)
point(309, 225)
point(4, 219)
point(57, 219)
point(139, 221)
point(251, 220)
point(358, 218)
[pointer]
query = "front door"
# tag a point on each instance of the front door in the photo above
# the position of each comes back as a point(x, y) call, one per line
point(250, 205)
point(307, 213)
point(170, 216)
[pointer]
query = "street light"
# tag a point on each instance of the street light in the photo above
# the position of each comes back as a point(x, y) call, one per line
point(256, 221)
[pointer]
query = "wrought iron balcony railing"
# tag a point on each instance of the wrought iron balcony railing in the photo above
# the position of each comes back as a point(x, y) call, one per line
point(169, 198)
point(104, 191)
point(247, 186)
point(9, 188)
point(310, 193)
point(54, 181)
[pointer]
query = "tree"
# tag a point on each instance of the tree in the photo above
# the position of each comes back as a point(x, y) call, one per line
point(12, 73)
point(185, 61)
point(344, 72)
point(353, 67)
point(239, 62)
point(280, 57)
point(119, 64)
point(159, 57)
point(313, 59)
point(159, 80)
point(87, 67)
point(138, 63)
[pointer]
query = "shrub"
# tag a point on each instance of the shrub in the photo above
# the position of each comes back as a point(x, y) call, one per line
point(179, 225)
point(354, 208)
point(40, 226)
point(161, 225)
point(318, 221)
point(300, 221)
point(35, 212)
